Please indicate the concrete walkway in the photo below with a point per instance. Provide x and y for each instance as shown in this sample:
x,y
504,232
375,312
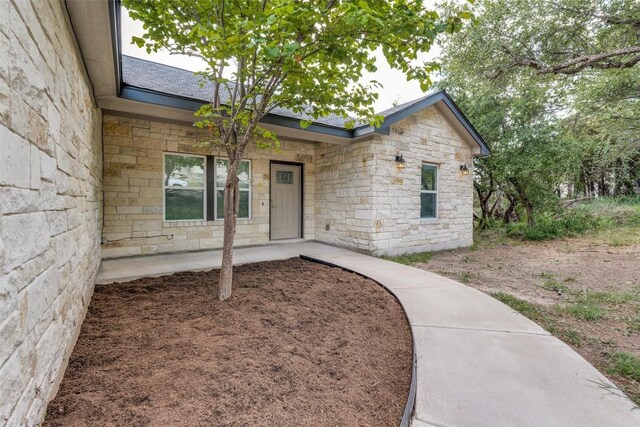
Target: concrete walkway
x,y
479,363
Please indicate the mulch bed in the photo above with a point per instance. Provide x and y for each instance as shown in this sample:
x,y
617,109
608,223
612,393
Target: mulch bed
x,y
298,343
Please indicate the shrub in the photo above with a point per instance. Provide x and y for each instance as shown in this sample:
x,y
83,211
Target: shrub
x,y
571,222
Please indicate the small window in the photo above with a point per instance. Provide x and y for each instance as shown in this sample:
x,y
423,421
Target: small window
x,y
184,192
284,177
429,192
244,177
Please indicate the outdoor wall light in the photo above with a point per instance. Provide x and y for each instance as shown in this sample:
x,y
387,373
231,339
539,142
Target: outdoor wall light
x,y
400,161
465,169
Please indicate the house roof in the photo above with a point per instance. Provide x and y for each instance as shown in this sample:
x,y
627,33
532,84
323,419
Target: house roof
x,y
161,84
176,81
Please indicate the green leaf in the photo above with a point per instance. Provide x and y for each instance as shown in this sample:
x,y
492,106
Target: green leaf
x,y
138,41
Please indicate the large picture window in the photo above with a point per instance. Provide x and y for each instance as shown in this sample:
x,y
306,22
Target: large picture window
x,y
429,191
244,177
184,187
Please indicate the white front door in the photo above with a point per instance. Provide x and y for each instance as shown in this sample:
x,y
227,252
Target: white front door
x,y
286,201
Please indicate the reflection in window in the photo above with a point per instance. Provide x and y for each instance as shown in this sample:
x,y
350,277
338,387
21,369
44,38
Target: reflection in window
x,y
429,192
184,178
244,177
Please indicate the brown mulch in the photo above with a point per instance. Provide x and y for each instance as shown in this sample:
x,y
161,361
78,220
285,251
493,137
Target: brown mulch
x,y
298,343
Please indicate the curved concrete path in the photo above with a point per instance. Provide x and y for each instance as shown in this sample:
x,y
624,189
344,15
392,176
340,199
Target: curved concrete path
x,y
479,363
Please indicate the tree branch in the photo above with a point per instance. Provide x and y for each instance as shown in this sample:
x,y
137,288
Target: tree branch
x,y
603,60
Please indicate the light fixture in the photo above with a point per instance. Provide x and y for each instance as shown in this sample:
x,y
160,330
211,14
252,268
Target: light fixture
x,y
400,161
465,169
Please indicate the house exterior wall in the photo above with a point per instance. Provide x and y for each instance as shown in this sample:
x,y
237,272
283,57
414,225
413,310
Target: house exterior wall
x,y
354,195
50,204
363,201
133,191
344,195
397,227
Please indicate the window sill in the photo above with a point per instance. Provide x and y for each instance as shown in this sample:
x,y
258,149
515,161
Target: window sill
x,y
201,223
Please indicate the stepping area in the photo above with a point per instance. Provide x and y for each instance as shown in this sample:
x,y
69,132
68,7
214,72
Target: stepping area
x,y
479,363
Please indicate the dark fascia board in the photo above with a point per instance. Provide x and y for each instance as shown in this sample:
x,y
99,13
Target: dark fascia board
x,y
484,148
116,42
426,102
290,122
159,98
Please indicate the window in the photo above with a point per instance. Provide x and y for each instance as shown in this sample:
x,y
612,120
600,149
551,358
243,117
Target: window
x,y
244,176
284,177
184,187
429,192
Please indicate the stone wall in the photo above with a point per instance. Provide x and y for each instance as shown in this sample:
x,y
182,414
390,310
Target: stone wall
x,y
50,203
344,209
397,226
354,195
366,203
134,225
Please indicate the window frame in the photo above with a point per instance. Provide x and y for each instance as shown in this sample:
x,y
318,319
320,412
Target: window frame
x,y
216,188
437,168
165,186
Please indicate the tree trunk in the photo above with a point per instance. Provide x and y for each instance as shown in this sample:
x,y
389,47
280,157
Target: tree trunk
x,y
526,202
508,213
231,202
529,208
484,206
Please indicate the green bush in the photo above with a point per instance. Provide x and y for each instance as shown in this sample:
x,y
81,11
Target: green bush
x,y
572,222
599,214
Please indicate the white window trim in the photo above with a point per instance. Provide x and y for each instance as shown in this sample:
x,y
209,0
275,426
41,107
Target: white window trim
x,y
427,218
164,187
216,188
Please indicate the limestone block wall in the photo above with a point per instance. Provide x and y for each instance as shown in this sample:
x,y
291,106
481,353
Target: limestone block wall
x,y
133,220
363,201
344,195
50,203
396,223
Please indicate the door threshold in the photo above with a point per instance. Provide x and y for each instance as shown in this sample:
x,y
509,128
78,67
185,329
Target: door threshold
x,y
286,241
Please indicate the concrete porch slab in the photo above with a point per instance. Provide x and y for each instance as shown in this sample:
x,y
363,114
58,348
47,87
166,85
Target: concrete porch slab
x,y
125,269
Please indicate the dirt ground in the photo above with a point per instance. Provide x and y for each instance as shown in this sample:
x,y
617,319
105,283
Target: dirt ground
x,y
298,343
522,268
555,275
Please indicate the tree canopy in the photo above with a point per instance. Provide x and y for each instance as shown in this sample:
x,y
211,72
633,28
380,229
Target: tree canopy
x,y
554,86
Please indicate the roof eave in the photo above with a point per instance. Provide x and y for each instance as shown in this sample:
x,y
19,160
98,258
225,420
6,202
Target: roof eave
x,y
160,98
150,96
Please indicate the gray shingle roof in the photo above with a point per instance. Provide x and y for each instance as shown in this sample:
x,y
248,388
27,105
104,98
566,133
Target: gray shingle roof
x,y
178,82
170,86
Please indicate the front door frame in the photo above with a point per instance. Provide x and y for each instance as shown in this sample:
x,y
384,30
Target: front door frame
x,y
283,162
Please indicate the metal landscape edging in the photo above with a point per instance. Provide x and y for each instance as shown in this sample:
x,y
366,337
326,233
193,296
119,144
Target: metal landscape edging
x,y
411,398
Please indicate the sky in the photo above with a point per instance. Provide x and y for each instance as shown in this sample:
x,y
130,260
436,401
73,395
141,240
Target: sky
x,y
396,88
